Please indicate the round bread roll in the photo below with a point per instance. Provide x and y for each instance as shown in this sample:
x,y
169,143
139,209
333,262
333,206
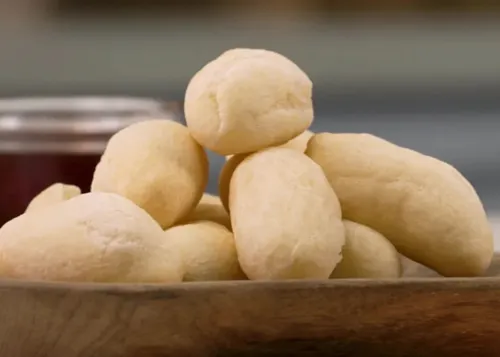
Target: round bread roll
x,y
425,207
157,165
94,237
211,209
246,100
208,251
55,193
285,216
367,254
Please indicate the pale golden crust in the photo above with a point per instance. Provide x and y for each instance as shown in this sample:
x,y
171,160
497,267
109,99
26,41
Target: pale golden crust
x,y
225,178
208,251
209,208
94,237
425,207
286,218
157,165
367,254
246,100
298,143
55,193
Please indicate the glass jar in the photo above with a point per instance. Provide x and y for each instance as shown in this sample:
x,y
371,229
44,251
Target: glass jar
x,y
48,140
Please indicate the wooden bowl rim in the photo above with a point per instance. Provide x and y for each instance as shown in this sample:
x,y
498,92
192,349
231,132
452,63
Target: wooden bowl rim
x,y
282,285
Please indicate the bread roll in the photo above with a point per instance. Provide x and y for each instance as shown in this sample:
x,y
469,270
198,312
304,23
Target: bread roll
x,y
225,178
211,209
207,249
55,193
413,269
247,100
298,143
286,218
367,254
94,237
157,165
425,207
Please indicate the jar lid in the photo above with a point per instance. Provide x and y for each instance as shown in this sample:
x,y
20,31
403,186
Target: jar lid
x,y
69,124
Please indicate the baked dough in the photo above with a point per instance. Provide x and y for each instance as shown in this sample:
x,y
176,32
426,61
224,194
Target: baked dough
x,y
247,100
211,209
367,254
55,193
424,206
157,165
94,237
285,216
208,251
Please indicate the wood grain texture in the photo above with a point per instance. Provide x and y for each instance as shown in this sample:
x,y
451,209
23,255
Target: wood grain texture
x,y
406,317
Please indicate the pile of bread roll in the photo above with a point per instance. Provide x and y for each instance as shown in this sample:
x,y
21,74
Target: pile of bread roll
x,y
292,204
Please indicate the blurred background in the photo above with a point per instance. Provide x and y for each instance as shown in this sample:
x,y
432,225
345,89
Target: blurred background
x,y
422,73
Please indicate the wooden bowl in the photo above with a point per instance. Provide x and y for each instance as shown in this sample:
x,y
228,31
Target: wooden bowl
x,y
421,317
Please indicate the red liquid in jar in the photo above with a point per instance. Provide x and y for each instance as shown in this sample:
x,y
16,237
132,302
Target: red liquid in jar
x,y
24,175
46,140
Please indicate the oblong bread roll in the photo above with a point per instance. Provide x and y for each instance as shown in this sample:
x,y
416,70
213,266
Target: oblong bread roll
x,y
286,218
94,237
425,207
